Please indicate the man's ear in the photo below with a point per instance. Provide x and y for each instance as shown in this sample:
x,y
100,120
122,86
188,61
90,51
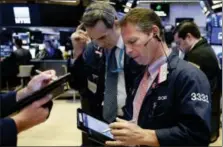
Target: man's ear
x,y
155,30
189,35
116,22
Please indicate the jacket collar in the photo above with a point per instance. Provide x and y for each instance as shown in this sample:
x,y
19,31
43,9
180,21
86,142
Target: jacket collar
x,y
200,42
172,61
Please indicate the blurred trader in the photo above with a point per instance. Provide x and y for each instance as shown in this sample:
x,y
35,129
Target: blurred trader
x,y
28,117
9,71
171,102
100,51
199,53
23,56
50,52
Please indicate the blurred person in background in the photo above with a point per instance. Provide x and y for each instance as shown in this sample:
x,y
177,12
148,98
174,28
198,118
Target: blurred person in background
x,y
50,52
9,71
30,116
23,56
199,53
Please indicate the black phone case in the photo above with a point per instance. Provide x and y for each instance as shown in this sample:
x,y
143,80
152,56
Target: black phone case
x,y
40,94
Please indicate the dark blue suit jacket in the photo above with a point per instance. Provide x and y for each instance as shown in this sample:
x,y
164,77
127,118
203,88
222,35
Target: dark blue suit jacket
x,y
7,125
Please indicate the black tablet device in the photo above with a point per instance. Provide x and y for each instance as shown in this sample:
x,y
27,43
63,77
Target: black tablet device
x,y
93,127
40,93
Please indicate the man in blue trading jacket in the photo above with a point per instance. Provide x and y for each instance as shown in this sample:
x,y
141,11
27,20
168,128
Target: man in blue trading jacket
x,y
171,103
28,117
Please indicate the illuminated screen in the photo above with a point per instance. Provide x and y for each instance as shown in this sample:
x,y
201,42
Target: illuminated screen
x,y
5,50
216,36
21,15
161,10
96,125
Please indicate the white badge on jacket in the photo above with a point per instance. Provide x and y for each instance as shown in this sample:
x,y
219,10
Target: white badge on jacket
x,y
163,73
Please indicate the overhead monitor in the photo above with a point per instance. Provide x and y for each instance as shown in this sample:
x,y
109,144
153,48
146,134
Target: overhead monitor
x,y
216,20
160,9
21,15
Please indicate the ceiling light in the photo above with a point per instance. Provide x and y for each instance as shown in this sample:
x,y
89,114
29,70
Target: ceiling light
x,y
216,6
216,1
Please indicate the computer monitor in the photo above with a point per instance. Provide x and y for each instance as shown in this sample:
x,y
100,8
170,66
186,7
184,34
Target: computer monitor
x,y
21,15
5,50
24,36
161,9
216,36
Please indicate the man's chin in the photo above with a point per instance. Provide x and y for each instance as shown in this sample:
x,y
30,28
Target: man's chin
x,y
137,60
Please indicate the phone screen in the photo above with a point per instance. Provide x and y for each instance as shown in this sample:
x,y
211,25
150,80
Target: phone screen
x,y
96,125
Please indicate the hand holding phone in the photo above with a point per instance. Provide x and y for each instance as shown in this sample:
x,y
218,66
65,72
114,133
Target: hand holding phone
x,y
79,40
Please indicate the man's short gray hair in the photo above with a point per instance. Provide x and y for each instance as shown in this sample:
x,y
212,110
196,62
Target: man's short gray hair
x,y
99,11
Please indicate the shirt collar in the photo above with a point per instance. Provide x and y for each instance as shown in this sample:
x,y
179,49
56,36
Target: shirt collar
x,y
154,67
120,43
195,44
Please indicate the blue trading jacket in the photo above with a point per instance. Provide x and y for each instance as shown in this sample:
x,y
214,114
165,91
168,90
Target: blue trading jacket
x,y
179,108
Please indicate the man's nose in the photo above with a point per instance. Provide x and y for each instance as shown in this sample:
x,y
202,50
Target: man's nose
x,y
128,50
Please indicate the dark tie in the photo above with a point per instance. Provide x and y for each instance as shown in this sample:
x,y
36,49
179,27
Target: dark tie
x,y
110,95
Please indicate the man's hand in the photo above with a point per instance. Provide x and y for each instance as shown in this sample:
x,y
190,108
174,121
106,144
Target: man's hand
x,y
125,133
36,83
32,115
79,40
129,134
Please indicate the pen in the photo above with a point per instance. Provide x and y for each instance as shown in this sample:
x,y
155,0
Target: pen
x,y
106,130
39,72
